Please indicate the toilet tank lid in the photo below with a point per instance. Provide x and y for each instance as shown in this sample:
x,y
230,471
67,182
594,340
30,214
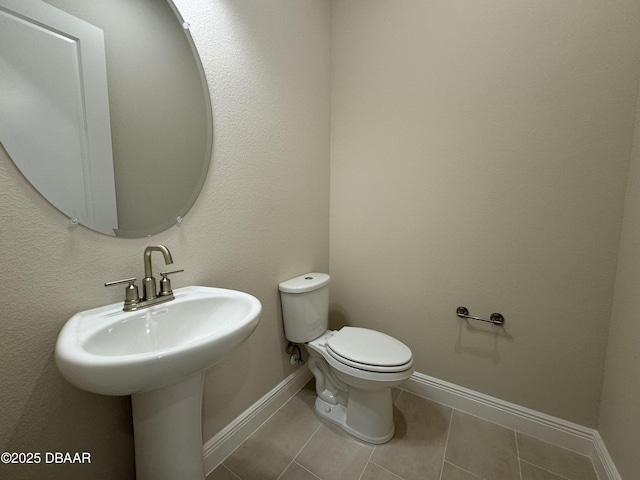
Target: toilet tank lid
x,y
305,283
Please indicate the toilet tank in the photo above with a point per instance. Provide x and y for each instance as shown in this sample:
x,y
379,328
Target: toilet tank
x,y
305,306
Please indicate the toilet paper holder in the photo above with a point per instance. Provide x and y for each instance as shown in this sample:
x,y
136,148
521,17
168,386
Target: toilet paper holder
x,y
495,318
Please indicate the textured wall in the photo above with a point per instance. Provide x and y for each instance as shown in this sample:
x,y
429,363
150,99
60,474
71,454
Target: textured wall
x,y
479,157
262,217
620,409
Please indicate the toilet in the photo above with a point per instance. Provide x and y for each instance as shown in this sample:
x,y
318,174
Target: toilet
x,y
355,368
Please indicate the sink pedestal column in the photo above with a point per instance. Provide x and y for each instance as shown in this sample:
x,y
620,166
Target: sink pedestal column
x,y
167,431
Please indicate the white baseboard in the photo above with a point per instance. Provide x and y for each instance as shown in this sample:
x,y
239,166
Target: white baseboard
x,y
602,461
586,441
583,440
218,447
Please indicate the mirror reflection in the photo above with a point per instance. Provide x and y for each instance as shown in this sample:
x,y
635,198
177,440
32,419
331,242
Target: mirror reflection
x,y
158,111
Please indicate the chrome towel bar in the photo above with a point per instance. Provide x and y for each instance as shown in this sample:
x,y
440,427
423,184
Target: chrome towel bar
x,y
495,318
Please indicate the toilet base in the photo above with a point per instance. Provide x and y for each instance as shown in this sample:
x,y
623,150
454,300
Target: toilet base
x,y
371,421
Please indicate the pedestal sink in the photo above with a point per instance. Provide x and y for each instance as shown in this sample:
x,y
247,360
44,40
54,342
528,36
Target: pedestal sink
x,y
158,355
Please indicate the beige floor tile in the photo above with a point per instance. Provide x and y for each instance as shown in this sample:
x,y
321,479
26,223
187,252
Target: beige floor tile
x,y
560,461
531,472
417,449
333,454
475,449
482,448
451,472
297,472
266,453
221,473
374,472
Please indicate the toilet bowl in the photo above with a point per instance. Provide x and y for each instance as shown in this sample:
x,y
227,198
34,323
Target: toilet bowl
x,y
354,368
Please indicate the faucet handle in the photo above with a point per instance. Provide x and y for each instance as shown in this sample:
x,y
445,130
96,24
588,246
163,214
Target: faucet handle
x,y
131,297
165,283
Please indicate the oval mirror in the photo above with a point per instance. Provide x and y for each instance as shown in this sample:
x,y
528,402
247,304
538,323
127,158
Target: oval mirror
x,y
105,110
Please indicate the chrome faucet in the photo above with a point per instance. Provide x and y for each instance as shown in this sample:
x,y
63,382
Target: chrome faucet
x,y
149,287
148,282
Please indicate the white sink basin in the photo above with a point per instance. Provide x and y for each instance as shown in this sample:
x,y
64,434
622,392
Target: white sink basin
x,y
111,352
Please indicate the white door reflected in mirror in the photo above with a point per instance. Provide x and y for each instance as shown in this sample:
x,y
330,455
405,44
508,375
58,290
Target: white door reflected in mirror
x,y
55,120
157,111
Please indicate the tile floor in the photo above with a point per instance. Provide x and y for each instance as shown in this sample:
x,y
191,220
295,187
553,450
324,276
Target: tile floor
x,y
432,442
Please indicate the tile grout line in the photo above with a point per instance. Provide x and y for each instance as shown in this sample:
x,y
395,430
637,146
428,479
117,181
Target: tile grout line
x,y
230,471
548,471
298,453
446,444
478,477
444,459
388,471
374,449
367,462
252,433
515,434
304,468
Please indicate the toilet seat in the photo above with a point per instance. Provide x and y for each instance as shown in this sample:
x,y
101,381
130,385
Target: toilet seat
x,y
369,350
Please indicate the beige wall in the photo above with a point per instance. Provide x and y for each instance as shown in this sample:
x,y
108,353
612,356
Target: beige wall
x,y
620,407
479,154
262,217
